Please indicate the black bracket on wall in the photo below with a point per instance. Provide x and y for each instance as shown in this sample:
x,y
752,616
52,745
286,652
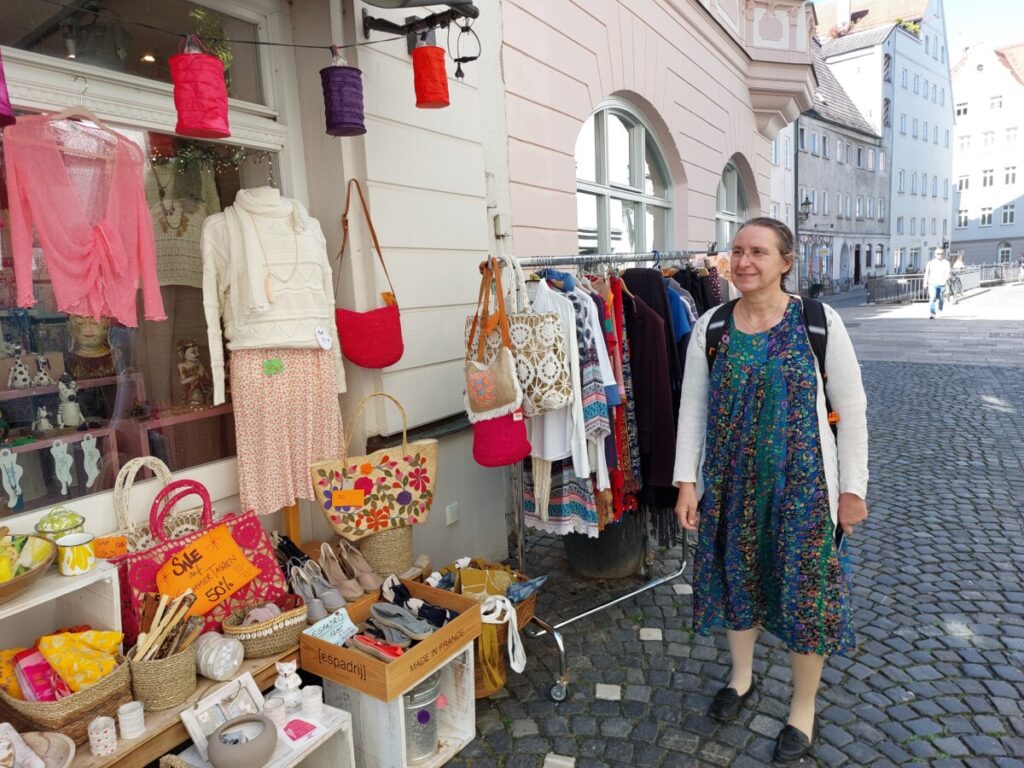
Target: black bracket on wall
x,y
415,28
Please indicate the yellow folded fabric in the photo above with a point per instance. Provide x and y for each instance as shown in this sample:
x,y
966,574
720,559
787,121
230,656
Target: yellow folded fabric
x,y
8,680
81,658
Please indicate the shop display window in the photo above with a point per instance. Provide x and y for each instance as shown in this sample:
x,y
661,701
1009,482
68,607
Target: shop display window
x,y
137,391
135,37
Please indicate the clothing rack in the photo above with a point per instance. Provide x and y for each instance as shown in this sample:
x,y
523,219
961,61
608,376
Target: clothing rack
x,y
559,689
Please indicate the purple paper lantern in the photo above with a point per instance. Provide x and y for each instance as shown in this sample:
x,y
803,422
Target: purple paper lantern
x,y
343,100
6,113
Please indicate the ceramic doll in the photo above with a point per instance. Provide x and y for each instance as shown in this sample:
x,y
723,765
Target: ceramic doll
x,y
287,683
69,414
195,381
63,462
91,356
18,377
42,377
91,459
42,422
10,474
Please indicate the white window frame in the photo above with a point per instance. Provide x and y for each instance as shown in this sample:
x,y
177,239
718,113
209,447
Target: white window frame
x,y
605,190
1004,253
1009,213
962,218
731,219
881,209
986,213
1010,175
899,225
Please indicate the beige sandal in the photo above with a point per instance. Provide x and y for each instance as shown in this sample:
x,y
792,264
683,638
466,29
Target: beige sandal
x,y
352,559
337,574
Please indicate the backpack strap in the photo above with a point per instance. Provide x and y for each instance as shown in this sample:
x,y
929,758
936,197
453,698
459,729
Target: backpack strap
x,y
817,333
716,330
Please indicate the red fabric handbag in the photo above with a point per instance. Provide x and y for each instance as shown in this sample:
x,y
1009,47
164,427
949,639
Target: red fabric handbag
x,y
200,93
369,339
501,441
137,570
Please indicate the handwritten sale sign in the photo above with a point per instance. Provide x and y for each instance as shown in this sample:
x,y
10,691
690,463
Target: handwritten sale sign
x,y
213,566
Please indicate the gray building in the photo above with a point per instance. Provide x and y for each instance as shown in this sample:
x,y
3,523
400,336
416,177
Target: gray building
x,y
988,160
838,188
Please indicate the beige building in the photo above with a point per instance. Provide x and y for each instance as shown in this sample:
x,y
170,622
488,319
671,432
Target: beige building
x,y
620,127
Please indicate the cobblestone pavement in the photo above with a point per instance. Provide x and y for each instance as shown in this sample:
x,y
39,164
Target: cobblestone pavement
x,y
937,676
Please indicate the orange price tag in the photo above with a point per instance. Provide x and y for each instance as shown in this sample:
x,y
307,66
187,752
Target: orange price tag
x,y
388,298
213,566
352,498
107,547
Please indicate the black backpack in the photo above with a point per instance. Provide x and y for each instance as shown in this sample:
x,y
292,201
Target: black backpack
x,y
817,334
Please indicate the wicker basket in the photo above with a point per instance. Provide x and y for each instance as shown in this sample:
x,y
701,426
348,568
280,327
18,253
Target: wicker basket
x,y
72,715
389,551
164,683
269,638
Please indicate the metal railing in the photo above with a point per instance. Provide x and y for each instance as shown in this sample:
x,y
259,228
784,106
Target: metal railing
x,y
901,289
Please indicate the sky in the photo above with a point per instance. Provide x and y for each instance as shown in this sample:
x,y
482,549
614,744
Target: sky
x,y
998,22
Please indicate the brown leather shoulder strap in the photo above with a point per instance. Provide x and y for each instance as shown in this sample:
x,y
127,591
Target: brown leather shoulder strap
x,y
369,224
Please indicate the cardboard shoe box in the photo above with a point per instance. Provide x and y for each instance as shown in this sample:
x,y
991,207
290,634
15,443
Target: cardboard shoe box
x,y
385,680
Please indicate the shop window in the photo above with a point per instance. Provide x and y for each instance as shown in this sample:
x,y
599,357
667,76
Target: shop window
x,y
731,209
144,390
127,36
623,199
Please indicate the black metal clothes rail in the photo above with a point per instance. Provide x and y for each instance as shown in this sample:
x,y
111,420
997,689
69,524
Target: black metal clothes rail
x,y
560,687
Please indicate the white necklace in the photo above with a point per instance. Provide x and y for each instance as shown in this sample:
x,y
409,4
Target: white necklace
x,y
270,274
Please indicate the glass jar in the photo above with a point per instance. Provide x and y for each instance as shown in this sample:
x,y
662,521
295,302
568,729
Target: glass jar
x,y
218,657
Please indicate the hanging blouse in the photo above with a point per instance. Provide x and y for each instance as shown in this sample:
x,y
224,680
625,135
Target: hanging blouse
x,y
80,187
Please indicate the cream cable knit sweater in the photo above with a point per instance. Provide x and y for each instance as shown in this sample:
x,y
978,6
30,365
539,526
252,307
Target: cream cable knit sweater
x,y
299,307
846,464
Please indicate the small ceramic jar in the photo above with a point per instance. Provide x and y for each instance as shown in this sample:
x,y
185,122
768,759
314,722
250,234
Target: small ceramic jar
x,y
60,521
102,736
218,657
131,720
313,701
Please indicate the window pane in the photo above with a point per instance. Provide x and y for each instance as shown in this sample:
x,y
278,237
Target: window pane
x,y
116,35
586,222
131,398
619,151
656,235
623,220
586,152
654,180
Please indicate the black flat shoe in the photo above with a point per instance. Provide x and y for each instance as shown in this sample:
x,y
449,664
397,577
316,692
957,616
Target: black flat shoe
x,y
792,746
727,704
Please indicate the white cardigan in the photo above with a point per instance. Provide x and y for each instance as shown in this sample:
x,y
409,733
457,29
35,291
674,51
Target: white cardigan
x,y
846,465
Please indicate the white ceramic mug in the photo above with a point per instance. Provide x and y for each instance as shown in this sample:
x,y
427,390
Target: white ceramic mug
x,y
102,736
75,554
275,710
312,701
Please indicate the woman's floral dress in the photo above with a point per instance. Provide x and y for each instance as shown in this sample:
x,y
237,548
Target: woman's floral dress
x,y
766,554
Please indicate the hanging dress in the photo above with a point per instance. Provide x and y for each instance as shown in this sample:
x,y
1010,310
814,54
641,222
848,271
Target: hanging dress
x,y
766,552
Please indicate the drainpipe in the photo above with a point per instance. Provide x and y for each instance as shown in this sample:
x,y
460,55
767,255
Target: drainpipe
x,y
796,204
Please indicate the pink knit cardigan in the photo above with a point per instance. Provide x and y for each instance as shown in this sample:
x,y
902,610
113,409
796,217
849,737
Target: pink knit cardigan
x,y
95,258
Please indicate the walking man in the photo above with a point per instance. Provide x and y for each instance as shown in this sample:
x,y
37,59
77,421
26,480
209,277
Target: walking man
x,y
936,273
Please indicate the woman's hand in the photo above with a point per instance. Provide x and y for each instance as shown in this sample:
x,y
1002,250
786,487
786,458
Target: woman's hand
x,y
853,510
686,506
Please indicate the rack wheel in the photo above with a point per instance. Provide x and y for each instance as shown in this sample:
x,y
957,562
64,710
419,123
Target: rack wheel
x,y
557,692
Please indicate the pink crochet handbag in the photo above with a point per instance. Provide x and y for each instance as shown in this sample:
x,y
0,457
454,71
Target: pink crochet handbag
x,y
137,570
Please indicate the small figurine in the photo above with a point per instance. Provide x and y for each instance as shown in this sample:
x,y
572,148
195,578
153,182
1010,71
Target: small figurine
x,y
69,413
90,460
19,377
287,683
42,377
195,381
42,422
62,463
11,474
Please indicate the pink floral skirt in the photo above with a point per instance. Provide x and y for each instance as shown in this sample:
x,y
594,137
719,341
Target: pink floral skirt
x,y
286,418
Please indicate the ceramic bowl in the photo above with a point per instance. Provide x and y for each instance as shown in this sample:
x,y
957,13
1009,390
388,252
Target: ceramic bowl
x,y
260,736
44,553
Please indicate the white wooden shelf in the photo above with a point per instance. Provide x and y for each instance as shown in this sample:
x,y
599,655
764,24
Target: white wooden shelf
x,y
53,586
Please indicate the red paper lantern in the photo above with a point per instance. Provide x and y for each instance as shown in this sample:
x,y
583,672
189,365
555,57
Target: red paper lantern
x,y
6,113
200,94
430,77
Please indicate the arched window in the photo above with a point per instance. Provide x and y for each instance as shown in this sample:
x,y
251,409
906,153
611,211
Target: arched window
x,y
887,68
1004,253
887,113
623,189
731,209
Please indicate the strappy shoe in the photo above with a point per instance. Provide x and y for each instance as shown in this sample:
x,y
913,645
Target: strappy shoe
x,y
300,585
309,583
352,560
349,588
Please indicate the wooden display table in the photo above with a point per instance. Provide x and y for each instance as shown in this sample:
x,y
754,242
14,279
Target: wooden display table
x,y
164,729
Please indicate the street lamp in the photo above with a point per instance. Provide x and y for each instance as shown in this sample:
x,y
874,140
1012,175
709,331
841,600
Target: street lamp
x,y
805,209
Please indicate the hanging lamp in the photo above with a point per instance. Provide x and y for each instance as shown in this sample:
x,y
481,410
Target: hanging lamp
x,y
200,92
343,97
430,77
6,112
